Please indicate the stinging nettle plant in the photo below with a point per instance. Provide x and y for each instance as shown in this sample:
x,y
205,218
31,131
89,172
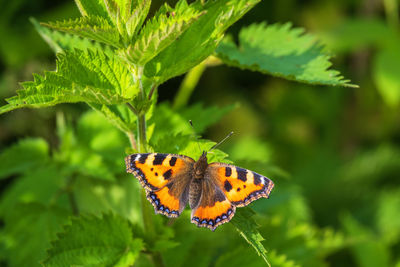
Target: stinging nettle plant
x,y
114,58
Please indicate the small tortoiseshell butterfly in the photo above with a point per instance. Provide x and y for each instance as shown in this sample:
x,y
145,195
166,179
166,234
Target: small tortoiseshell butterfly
x,y
213,190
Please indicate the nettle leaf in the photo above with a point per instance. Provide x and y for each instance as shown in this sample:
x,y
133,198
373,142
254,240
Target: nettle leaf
x,y
92,27
80,77
90,240
23,156
281,51
247,228
160,31
134,19
199,40
119,115
92,8
28,231
59,41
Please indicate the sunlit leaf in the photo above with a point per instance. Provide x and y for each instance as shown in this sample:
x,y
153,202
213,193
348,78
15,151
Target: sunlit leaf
x,y
80,77
90,240
282,51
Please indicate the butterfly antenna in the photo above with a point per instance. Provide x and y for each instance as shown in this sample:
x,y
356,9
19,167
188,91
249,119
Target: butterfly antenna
x,y
220,142
194,133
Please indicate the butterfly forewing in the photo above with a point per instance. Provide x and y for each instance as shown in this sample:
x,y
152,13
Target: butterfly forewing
x,y
165,177
240,186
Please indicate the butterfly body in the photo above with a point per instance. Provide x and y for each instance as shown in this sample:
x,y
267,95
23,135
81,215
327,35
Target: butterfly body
x,y
213,191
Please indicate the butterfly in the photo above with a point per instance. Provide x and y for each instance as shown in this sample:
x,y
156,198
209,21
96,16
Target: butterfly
x,y
213,190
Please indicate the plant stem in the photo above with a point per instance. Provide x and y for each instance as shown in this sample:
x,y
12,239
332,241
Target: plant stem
x,y
141,120
148,222
187,86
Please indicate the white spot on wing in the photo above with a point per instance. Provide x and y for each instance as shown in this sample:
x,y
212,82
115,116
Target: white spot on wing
x,y
137,157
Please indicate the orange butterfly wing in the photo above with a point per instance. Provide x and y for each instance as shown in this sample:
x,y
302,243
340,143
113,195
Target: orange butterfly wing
x,y
240,186
165,177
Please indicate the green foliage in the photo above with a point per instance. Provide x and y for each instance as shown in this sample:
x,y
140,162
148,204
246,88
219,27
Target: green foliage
x,y
247,228
90,77
23,156
72,197
199,41
282,51
95,241
161,31
95,28
59,41
28,231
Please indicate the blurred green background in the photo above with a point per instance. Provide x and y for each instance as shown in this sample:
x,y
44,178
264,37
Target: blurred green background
x,y
333,153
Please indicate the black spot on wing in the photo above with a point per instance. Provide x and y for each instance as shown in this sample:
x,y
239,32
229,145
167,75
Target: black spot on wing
x,y
227,186
172,161
241,174
228,171
143,158
159,158
219,196
167,174
257,178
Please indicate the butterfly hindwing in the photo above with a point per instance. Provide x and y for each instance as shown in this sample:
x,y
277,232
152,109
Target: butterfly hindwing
x,y
165,178
213,208
240,186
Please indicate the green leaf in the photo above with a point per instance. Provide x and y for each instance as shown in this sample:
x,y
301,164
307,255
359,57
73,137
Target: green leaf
x,y
92,8
95,150
23,156
28,231
59,42
38,185
90,240
134,19
119,115
386,74
199,40
80,77
128,16
92,27
247,228
281,51
159,32
121,197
